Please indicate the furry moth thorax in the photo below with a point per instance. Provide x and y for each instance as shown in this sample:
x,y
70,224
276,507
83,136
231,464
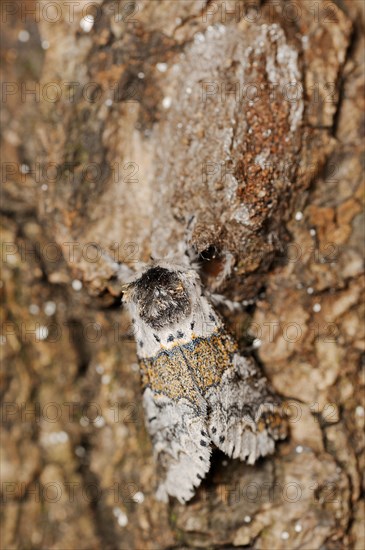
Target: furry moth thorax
x,y
162,296
198,391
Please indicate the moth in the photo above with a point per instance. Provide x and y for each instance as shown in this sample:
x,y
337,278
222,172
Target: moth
x,y
198,391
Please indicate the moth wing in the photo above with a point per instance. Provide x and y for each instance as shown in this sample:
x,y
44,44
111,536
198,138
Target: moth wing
x,y
245,419
181,444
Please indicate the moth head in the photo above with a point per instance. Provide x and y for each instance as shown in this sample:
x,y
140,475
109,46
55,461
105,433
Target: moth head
x,y
161,296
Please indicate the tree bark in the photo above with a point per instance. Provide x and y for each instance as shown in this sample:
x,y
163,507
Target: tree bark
x,y
230,128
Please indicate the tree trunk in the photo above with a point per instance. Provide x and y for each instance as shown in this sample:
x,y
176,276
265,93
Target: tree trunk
x,y
230,128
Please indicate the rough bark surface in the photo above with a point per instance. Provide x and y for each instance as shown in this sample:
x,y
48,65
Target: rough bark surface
x,y
234,129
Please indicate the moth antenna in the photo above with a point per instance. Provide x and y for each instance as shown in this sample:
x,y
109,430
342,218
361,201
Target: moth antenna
x,y
121,271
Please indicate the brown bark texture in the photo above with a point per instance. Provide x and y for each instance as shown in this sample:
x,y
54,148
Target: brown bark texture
x,y
234,129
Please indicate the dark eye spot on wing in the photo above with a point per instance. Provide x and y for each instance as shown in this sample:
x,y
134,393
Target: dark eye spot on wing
x,y
214,430
170,338
221,439
211,317
140,343
203,443
180,334
192,325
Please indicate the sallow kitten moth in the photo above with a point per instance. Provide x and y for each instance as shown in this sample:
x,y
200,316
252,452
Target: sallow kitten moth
x,y
198,391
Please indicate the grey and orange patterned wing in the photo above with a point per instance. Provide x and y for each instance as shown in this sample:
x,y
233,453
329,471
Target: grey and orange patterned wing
x,y
176,420
245,418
